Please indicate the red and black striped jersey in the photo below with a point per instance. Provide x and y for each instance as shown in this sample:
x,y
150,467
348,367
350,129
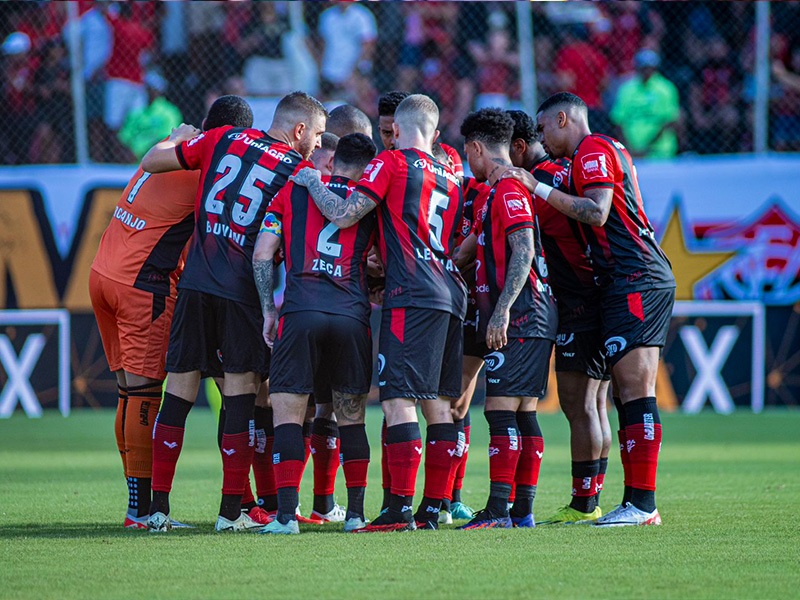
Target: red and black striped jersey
x,y
569,269
475,194
326,267
509,208
419,211
240,172
624,253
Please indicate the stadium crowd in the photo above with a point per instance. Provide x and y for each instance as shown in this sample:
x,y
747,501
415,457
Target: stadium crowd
x,y
679,76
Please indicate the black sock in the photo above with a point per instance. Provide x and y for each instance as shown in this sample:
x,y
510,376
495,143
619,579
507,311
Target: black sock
x,y
523,501
499,493
428,509
174,410
268,503
263,420
602,472
159,503
387,498
456,495
220,427
402,506
446,505
354,446
288,500
139,496
585,470
323,504
288,446
230,506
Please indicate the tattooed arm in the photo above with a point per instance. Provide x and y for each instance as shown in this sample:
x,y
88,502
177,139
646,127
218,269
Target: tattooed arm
x,y
592,210
342,212
267,246
518,271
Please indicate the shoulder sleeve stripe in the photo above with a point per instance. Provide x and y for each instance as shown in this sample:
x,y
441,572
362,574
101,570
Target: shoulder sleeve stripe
x,y
181,159
518,226
368,193
599,184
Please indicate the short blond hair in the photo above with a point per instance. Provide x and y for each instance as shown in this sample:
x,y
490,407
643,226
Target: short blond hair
x,y
418,111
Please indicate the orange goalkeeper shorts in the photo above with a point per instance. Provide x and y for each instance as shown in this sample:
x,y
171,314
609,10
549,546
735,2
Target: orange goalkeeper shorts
x,y
134,325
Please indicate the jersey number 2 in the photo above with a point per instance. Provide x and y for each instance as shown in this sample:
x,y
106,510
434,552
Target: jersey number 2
x,y
243,213
325,245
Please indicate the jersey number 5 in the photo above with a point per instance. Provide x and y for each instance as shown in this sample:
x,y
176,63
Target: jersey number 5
x,y
436,208
243,213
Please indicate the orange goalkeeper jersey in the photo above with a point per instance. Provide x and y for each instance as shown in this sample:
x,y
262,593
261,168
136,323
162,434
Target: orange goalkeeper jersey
x,y
144,245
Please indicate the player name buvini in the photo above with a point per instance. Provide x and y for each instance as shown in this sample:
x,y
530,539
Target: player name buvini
x,y
225,231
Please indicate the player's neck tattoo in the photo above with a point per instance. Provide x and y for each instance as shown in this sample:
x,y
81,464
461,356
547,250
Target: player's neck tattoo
x,y
501,164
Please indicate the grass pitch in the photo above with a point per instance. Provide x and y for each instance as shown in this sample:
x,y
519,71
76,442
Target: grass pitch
x,y
729,494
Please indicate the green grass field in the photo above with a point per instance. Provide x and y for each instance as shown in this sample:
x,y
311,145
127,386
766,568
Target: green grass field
x,y
729,494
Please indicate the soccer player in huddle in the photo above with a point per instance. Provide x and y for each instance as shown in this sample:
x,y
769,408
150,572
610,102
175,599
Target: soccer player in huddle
x,y
517,317
581,372
418,202
133,288
635,278
322,337
322,157
217,311
346,119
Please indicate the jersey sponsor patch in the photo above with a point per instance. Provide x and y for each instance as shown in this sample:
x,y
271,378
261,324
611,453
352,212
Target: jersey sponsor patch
x,y
372,170
516,205
594,165
272,224
193,141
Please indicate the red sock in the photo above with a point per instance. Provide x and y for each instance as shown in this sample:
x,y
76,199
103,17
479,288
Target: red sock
x,y
530,461
325,447
643,442
504,446
440,461
288,463
404,449
167,445
386,475
263,471
237,456
354,455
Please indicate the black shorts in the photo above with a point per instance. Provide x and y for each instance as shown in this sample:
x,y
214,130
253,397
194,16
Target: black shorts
x,y
520,369
582,351
208,329
420,354
634,320
314,350
474,342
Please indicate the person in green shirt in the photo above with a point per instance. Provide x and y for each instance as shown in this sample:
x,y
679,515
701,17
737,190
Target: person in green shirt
x,y
146,127
647,110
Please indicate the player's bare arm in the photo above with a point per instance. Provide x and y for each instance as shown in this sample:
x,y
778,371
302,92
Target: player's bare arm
x,y
267,245
161,157
592,210
342,212
519,268
464,255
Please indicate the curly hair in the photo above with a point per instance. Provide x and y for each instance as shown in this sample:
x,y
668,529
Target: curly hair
x,y
491,126
524,127
389,102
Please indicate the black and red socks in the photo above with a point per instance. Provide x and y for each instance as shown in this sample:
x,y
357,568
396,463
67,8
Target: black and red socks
x,y
439,470
288,458
167,445
643,432
355,464
584,485
601,476
404,450
504,453
238,443
622,436
263,473
325,452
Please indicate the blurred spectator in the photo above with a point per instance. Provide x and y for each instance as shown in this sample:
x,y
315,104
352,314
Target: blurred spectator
x,y
125,91
19,102
786,108
498,65
583,70
647,110
144,128
266,70
425,24
53,106
714,102
96,42
348,32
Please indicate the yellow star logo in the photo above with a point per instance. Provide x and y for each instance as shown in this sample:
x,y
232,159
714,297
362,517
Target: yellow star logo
x,y
690,266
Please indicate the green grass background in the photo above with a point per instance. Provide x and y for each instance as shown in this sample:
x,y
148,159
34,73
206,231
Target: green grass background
x,y
729,494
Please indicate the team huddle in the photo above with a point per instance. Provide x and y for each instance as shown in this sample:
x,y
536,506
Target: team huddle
x,y
545,245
